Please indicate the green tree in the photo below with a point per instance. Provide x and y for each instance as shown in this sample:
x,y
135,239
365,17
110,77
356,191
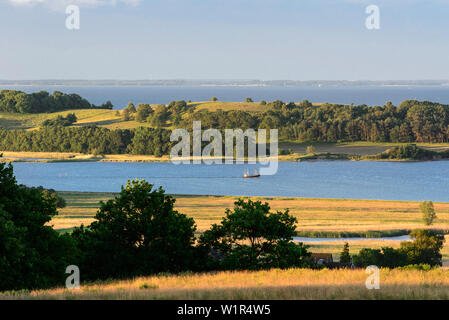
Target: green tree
x,y
131,108
32,254
367,257
249,100
159,116
137,233
213,99
345,257
252,237
428,212
143,112
126,116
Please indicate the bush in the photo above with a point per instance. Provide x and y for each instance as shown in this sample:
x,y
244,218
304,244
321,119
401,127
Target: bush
x,y
368,257
422,267
424,249
60,121
284,152
409,151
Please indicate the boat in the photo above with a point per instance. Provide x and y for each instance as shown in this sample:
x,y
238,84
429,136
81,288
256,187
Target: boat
x,y
255,175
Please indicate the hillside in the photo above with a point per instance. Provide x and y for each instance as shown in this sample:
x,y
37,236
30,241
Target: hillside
x,y
109,118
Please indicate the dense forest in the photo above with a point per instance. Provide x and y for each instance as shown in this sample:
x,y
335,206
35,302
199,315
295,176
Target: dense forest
x,y
38,102
411,121
88,140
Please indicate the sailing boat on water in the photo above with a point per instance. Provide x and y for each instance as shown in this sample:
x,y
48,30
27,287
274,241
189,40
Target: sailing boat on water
x,y
255,175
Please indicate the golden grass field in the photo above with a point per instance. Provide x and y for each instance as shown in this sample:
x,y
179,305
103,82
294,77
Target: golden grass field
x,y
312,215
275,284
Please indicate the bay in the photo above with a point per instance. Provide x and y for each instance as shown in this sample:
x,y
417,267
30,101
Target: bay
x,y
408,181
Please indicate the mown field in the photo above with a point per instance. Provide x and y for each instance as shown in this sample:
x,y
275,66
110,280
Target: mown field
x,y
271,285
356,216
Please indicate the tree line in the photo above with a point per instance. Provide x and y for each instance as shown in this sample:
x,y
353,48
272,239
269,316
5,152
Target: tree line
x,y
424,249
411,121
87,140
15,101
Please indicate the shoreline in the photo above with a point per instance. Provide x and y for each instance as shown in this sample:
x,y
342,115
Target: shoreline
x,y
54,157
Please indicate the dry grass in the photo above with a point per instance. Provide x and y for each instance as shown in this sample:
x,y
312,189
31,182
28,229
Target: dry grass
x,y
272,284
228,106
312,214
323,214
30,121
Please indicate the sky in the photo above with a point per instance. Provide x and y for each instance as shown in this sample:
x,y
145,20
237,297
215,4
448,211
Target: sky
x,y
224,39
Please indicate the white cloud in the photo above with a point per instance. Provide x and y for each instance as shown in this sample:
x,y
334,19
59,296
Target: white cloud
x,y
61,4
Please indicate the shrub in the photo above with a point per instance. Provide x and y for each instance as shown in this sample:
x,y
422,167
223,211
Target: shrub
x,y
424,249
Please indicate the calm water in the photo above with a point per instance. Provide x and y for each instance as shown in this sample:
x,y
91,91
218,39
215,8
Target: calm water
x,y
415,181
370,95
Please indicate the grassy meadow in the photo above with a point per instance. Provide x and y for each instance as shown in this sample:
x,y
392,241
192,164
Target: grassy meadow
x,y
109,118
275,284
312,214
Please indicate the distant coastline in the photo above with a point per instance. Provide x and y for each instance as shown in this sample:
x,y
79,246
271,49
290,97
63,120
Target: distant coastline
x,y
229,83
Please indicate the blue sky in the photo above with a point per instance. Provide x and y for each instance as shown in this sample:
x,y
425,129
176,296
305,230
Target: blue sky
x,y
225,39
